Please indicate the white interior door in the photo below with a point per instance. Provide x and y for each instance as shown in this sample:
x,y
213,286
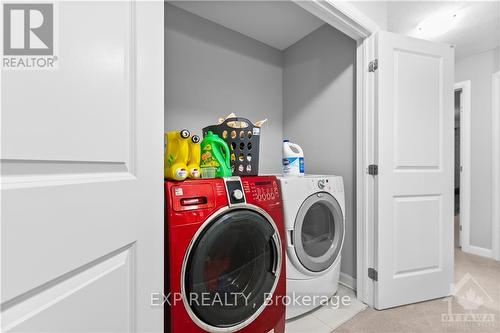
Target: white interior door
x,y
82,193
415,133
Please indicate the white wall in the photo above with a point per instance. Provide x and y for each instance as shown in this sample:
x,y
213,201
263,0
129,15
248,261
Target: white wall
x,y
478,68
319,114
375,10
211,71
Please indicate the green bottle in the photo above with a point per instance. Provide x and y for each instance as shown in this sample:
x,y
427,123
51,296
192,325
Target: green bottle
x,y
215,153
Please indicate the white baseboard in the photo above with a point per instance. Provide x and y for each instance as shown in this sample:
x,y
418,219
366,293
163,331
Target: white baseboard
x,y
348,281
478,251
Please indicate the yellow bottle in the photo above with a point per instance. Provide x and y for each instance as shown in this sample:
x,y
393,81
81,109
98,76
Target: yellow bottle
x,y
193,165
176,154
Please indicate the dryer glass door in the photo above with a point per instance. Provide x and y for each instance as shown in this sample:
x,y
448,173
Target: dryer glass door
x,y
319,232
231,267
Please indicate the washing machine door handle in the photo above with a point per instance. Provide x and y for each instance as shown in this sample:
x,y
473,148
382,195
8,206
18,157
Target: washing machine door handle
x,y
276,252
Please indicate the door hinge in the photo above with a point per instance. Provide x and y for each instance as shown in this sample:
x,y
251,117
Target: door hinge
x,y
373,274
373,169
373,65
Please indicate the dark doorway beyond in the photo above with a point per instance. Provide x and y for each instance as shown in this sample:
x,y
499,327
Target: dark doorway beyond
x,y
458,94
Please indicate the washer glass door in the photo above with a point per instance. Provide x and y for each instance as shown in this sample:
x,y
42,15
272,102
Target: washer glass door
x,y
231,268
318,232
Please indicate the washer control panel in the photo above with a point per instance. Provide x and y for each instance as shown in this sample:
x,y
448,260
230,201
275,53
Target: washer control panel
x,y
265,190
237,194
234,189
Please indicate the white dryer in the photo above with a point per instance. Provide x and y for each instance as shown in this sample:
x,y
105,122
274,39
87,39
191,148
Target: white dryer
x,y
314,214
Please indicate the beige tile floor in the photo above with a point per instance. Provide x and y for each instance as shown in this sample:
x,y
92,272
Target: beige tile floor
x,y
325,319
426,316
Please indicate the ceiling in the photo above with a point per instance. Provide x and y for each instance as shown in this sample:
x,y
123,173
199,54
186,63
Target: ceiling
x,y
477,31
282,23
278,23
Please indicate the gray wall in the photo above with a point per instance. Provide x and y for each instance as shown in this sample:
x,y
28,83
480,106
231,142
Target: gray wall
x,y
319,114
306,91
479,68
211,71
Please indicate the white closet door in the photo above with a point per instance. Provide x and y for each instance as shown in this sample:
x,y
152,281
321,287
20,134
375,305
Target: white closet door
x,y
81,159
415,131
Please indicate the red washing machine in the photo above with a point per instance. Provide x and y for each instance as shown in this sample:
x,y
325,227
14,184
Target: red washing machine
x,y
225,256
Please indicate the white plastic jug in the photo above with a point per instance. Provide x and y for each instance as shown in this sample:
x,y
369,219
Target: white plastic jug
x,y
293,159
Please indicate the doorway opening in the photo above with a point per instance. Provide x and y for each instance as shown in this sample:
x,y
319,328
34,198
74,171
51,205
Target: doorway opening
x,y
220,57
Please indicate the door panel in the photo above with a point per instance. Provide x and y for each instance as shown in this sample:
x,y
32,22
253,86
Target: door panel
x,y
415,126
82,196
417,120
85,102
103,287
418,219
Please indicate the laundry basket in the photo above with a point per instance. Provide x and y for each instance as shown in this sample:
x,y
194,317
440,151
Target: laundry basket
x,y
242,137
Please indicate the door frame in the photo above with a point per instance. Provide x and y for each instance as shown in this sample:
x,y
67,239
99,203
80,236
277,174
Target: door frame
x,y
348,19
342,16
495,193
465,161
366,154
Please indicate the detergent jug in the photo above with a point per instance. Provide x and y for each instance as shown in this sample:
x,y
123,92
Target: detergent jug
x,y
193,165
215,153
293,159
176,154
